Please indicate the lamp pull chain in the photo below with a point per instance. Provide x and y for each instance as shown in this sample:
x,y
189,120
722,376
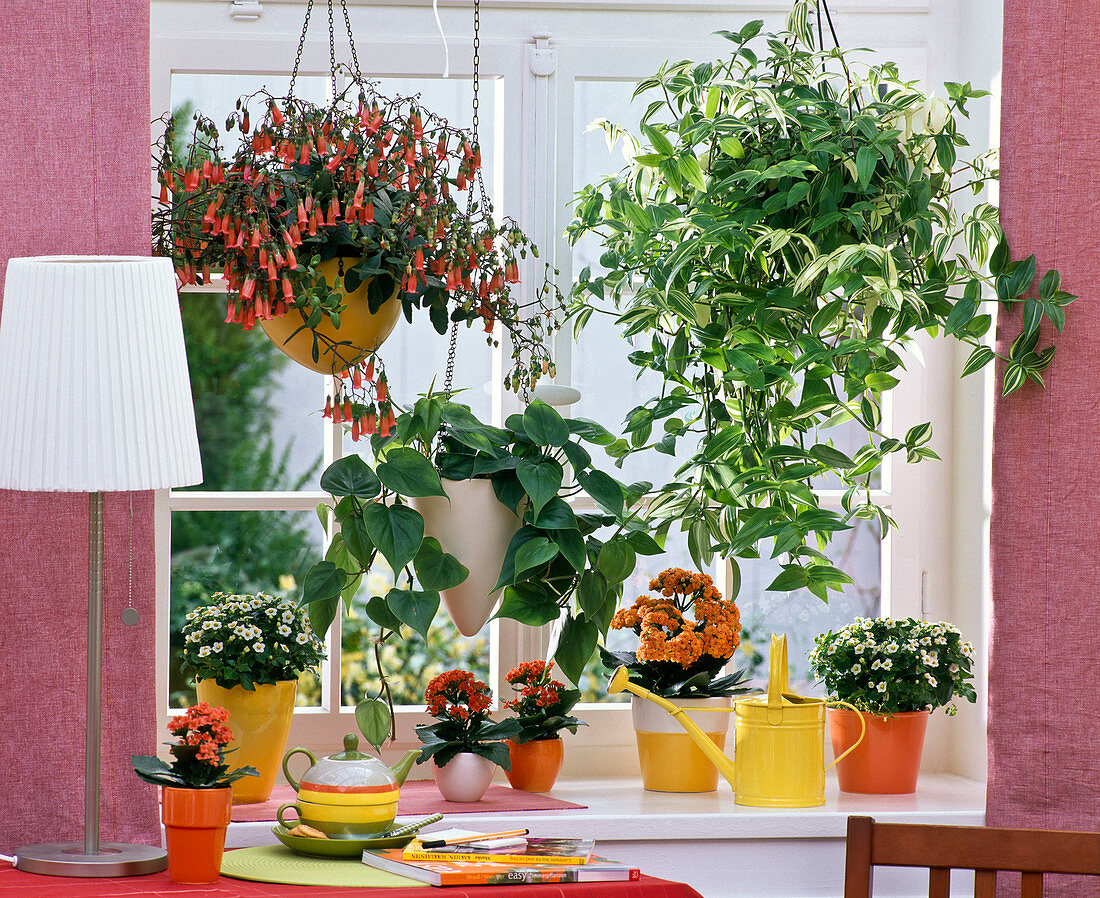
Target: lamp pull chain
x,y
130,614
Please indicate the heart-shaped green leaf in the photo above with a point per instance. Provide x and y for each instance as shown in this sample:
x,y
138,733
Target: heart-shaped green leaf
x,y
409,473
575,646
350,476
435,569
617,559
379,612
534,553
357,540
544,425
571,545
556,515
396,530
529,603
373,717
414,607
541,479
604,489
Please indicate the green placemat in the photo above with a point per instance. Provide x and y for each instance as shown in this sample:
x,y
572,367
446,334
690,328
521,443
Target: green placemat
x,y
274,863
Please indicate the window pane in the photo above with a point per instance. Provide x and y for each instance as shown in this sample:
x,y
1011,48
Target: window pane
x,y
802,615
592,161
610,389
236,552
215,95
255,410
409,663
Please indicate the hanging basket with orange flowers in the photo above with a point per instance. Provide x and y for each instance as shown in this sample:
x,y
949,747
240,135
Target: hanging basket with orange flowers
x,y
678,657
366,194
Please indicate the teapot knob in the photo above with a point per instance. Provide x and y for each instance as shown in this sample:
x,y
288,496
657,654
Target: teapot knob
x,y
351,743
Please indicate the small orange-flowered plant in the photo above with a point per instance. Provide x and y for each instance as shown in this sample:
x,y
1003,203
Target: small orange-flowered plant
x,y
202,735
543,704
678,654
460,703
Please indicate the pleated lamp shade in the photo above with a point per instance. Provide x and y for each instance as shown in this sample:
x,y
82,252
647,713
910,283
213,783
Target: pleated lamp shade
x,y
94,391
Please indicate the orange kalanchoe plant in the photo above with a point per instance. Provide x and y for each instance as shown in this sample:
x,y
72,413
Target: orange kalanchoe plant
x,y
461,705
678,656
202,735
542,704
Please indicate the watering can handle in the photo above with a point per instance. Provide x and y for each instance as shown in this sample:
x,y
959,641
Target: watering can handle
x,y
777,670
862,731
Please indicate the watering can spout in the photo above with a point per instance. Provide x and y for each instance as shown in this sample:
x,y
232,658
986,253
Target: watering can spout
x,y
619,681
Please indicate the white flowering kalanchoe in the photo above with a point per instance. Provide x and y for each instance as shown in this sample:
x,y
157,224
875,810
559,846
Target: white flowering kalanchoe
x,y
249,640
915,665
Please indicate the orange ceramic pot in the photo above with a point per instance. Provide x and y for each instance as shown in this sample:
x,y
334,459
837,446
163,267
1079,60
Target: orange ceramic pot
x,y
195,821
535,765
887,761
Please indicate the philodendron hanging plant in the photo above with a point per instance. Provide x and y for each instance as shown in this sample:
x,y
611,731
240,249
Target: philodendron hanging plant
x,y
562,565
380,184
788,223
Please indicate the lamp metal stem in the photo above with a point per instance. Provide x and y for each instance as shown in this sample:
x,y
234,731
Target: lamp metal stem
x,y
94,726
92,858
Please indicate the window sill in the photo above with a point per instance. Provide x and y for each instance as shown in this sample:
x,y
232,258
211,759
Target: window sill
x,y
701,838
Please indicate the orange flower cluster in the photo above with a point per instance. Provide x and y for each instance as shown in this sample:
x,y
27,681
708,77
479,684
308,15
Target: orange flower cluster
x,y
203,726
456,695
664,631
535,686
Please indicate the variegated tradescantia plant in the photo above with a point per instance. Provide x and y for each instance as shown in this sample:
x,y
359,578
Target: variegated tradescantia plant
x,y
789,222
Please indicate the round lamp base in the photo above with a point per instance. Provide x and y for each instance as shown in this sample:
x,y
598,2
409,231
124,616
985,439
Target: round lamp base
x,y
69,859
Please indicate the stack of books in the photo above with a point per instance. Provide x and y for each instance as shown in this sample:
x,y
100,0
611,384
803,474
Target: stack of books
x,y
487,863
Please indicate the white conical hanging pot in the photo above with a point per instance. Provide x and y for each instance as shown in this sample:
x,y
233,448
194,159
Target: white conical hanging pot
x,y
476,528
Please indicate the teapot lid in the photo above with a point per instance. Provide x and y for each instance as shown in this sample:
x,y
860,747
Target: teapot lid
x,y
351,750
349,771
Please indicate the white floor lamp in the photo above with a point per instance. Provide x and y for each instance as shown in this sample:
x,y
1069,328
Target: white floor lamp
x,y
98,341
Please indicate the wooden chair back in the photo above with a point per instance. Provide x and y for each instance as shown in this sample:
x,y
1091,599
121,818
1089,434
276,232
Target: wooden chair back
x,y
985,850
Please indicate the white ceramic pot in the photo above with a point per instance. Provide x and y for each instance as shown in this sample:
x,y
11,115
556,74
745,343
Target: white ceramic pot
x,y
465,777
476,528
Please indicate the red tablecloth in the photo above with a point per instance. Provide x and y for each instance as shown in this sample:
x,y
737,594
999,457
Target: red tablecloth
x,y
17,884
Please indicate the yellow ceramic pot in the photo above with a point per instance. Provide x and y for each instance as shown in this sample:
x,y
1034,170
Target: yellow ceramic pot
x,y
362,330
669,757
260,720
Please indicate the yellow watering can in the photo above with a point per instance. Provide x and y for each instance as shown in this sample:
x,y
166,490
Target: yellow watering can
x,y
780,748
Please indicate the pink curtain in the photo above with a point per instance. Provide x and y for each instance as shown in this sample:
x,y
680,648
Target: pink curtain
x,y
74,178
1044,700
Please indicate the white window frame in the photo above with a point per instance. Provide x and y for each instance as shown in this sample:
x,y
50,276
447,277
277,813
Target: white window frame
x,y
936,505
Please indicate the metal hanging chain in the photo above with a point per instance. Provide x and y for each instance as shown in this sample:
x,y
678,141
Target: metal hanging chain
x,y
331,50
301,46
351,43
331,46
453,345
449,376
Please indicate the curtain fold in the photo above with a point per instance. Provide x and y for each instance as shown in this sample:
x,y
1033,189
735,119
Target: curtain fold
x,y
1044,704
74,178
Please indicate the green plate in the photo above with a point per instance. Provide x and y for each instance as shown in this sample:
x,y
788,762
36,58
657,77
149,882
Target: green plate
x,y
399,837
336,847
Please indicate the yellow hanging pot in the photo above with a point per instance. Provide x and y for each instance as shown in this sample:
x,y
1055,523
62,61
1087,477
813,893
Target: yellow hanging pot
x,y
779,759
361,331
